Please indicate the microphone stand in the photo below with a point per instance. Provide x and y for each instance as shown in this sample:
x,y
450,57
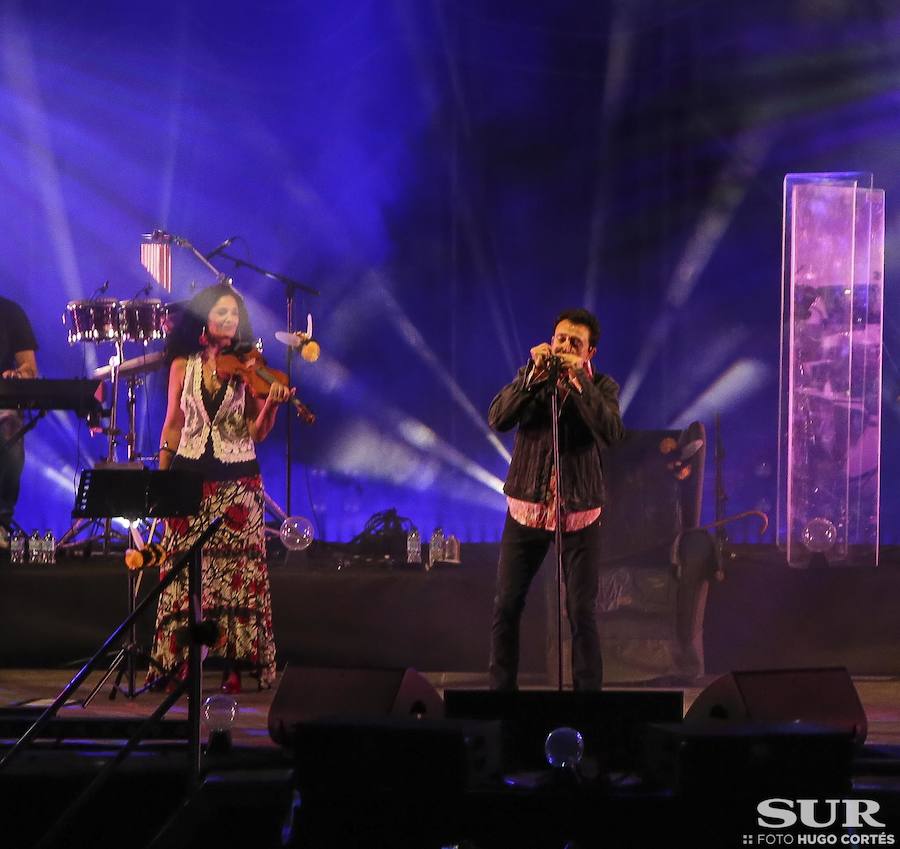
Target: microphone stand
x,y
553,377
721,494
289,441
290,288
182,242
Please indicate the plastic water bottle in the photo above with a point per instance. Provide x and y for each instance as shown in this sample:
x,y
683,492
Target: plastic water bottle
x,y
49,552
413,547
451,550
17,546
35,547
436,548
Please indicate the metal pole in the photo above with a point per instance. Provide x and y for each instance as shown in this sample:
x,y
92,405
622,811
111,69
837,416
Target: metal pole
x,y
558,538
195,665
290,429
112,455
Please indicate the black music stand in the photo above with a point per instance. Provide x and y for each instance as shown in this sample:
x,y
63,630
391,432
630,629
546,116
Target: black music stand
x,y
134,494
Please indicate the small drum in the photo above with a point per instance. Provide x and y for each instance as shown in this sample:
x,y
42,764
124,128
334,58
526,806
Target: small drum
x,y
93,321
142,321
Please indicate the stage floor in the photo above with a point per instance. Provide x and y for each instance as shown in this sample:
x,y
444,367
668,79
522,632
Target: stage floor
x,y
247,792
880,697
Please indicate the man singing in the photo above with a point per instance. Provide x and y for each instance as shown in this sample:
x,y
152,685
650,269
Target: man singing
x,y
588,420
17,360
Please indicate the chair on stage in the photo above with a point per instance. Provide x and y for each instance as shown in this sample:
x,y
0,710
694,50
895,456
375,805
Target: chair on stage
x,y
657,562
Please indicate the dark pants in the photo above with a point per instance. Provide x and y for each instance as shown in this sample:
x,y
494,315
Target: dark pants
x,y
522,550
12,461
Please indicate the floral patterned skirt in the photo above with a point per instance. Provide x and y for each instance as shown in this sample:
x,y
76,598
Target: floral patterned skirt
x,y
235,583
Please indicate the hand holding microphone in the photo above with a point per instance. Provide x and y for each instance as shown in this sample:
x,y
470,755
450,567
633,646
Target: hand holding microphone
x,y
568,362
540,354
546,360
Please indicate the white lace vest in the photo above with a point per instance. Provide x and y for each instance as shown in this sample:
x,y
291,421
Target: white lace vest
x,y
230,435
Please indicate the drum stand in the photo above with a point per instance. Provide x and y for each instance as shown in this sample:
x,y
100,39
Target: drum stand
x,y
109,534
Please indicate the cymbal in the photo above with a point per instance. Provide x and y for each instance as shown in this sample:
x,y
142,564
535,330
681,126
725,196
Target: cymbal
x,y
134,366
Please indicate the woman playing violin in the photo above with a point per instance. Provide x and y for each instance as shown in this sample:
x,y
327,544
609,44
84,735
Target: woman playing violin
x,y
212,424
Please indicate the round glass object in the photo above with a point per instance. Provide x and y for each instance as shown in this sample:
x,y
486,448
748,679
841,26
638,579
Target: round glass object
x,y
819,534
219,712
297,533
564,748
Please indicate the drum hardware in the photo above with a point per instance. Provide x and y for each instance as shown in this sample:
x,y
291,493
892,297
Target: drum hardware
x,y
97,320
137,366
140,320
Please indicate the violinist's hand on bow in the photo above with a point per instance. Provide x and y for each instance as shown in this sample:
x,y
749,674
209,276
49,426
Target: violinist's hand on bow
x,y
279,393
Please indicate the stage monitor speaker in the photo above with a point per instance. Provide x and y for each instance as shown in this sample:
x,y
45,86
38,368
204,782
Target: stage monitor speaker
x,y
611,722
824,697
231,807
390,781
757,759
313,692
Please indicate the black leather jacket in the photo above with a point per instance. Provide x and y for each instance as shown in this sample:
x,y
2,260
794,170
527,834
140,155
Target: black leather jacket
x,y
588,422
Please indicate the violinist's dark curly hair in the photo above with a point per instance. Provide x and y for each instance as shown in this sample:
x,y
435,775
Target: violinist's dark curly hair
x,y
184,338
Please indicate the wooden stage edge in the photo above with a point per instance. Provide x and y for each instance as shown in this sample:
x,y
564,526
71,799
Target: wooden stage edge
x,y
879,695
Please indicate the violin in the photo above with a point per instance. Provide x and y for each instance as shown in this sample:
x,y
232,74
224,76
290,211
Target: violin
x,y
251,366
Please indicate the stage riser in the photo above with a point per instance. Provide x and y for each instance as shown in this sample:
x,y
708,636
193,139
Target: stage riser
x,y
763,615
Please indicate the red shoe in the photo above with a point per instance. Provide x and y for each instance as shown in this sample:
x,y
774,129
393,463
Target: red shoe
x,y
231,684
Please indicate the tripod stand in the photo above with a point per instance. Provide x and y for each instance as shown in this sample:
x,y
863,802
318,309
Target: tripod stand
x,y
135,493
131,651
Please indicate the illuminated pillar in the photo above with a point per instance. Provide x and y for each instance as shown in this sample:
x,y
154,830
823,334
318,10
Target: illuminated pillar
x,y
831,347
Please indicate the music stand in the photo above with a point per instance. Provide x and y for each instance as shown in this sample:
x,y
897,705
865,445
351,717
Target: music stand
x,y
134,494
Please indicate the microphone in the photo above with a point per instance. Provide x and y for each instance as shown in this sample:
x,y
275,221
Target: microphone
x,y
150,555
553,364
219,248
552,361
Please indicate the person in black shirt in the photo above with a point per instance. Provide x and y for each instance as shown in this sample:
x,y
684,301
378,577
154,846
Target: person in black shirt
x,y
17,360
589,420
